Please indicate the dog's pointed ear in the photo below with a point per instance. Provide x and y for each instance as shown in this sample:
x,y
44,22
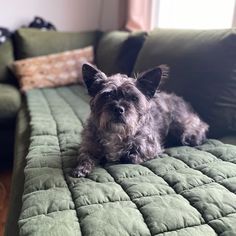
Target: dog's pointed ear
x,y
93,78
148,81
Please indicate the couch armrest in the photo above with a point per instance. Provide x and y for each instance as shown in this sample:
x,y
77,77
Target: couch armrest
x,y
10,101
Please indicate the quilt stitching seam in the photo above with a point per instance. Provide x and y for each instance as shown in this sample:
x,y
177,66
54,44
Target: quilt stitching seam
x,y
61,156
213,181
67,102
181,228
131,201
184,198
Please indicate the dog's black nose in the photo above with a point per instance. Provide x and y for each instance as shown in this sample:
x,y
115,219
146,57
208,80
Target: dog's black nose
x,y
119,110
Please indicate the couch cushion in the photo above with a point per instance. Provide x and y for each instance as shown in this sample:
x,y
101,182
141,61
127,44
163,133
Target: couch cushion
x,y
231,139
10,101
185,191
33,42
202,70
6,58
117,51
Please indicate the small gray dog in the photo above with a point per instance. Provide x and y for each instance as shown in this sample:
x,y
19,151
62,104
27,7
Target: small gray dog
x,y
130,119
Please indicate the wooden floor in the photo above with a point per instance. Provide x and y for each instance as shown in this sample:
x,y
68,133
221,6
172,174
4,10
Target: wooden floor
x,y
5,184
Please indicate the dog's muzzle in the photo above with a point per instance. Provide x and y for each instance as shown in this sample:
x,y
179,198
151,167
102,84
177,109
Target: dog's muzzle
x,y
118,114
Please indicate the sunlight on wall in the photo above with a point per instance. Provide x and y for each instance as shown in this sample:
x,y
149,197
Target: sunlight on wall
x,y
195,14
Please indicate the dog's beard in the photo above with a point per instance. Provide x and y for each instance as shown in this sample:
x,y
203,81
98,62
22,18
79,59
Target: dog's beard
x,y
122,125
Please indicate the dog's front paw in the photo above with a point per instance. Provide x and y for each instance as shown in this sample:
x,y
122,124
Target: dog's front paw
x,y
131,155
131,159
193,139
82,170
78,172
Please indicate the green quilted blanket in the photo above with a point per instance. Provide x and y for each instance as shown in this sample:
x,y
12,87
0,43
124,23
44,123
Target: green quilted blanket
x,y
185,191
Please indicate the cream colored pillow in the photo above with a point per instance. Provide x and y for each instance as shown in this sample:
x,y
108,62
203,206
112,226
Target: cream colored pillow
x,y
52,70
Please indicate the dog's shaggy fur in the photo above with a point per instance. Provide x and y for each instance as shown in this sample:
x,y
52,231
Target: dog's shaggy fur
x,y
130,120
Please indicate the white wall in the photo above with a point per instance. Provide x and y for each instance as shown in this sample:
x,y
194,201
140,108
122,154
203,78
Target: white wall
x,y
67,15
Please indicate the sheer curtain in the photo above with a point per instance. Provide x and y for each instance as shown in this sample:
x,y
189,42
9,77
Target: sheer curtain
x,y
138,15
185,14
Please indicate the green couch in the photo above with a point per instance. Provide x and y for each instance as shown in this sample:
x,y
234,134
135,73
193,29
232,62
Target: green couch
x,y
183,191
9,105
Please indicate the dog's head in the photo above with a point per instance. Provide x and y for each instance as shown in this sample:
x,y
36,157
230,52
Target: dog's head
x,y
118,102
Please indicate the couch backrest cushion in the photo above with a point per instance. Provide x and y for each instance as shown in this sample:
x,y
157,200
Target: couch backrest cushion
x,y
202,70
34,42
117,51
6,58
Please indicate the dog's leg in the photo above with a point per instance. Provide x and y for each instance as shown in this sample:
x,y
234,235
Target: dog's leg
x,y
186,125
89,154
85,165
141,148
194,131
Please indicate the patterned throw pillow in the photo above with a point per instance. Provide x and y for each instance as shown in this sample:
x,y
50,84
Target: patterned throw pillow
x,y
52,70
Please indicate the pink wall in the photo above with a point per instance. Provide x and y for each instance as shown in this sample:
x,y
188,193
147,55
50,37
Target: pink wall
x,y
67,15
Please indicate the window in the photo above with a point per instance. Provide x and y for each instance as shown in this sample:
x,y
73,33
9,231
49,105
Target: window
x,y
193,14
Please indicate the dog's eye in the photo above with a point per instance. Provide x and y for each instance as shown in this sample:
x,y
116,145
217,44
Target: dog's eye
x,y
108,95
134,98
